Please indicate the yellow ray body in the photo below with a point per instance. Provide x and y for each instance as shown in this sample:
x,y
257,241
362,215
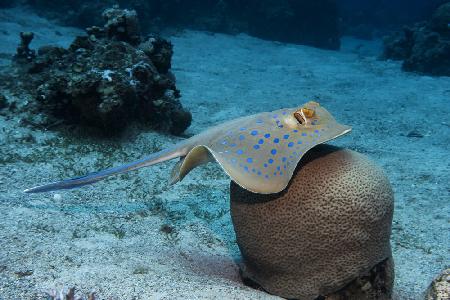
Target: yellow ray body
x,y
259,152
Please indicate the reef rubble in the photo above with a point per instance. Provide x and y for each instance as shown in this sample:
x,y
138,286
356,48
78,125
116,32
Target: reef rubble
x,y
108,78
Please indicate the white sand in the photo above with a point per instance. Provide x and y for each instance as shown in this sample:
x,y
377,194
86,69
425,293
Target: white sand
x,y
107,238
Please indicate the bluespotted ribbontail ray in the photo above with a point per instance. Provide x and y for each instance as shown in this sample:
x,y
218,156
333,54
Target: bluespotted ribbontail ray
x,y
259,152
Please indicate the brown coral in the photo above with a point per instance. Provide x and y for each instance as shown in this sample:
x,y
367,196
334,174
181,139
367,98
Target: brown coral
x,y
331,225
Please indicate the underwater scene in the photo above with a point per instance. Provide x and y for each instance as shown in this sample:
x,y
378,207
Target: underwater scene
x,y
225,149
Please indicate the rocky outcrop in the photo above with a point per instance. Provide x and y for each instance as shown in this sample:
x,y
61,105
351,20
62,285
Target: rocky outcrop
x,y
424,47
108,78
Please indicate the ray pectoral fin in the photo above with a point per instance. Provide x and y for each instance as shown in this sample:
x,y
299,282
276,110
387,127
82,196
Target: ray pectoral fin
x,y
249,178
175,174
97,176
199,155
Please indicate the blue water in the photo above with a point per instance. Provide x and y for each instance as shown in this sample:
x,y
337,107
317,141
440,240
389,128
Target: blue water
x,y
134,236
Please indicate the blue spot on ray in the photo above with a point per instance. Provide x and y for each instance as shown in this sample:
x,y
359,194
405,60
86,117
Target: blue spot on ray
x,y
276,140
286,136
256,147
267,135
273,151
241,137
270,161
254,132
261,141
240,151
290,144
249,160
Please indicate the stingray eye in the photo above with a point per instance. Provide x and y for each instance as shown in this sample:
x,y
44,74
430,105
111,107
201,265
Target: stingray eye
x,y
304,114
299,117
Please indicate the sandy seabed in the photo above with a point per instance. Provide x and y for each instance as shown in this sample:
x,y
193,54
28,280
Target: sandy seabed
x,y
135,237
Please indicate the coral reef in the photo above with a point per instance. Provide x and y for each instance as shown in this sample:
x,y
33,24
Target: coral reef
x,y
306,22
24,53
439,289
107,79
440,21
330,226
318,23
424,47
374,18
122,25
302,21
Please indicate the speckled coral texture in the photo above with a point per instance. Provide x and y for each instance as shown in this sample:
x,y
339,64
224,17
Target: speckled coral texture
x,y
329,226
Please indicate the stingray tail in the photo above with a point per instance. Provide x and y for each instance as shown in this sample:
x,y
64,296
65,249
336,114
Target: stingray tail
x,y
97,176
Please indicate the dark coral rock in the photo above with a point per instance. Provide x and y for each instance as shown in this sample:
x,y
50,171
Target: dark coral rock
x,y
424,48
122,25
104,81
3,102
440,21
430,54
374,18
313,23
160,52
398,46
24,53
300,21
47,55
376,284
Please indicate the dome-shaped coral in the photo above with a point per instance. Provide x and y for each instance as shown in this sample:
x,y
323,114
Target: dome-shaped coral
x,y
329,226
